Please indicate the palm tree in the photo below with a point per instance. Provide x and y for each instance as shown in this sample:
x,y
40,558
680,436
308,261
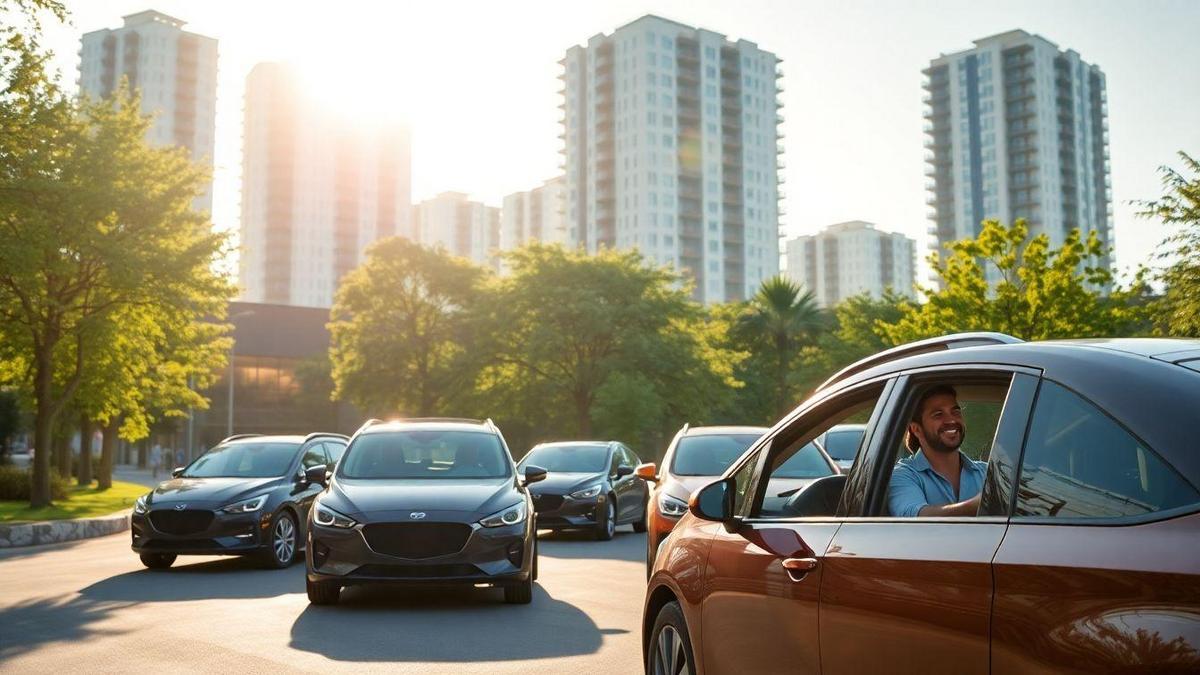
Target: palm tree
x,y
779,320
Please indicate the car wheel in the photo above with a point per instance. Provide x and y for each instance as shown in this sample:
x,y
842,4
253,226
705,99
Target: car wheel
x,y
607,525
281,548
157,561
519,594
670,647
639,525
322,592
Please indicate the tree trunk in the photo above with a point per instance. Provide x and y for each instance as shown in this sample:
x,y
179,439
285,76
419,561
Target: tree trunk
x,y
62,451
141,451
108,448
43,422
85,451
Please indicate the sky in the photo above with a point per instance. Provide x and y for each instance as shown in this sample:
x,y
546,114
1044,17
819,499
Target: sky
x,y
478,84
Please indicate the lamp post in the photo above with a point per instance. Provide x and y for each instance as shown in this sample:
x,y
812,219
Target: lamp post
x,y
232,370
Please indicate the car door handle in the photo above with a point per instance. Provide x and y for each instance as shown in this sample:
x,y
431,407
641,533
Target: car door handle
x,y
798,568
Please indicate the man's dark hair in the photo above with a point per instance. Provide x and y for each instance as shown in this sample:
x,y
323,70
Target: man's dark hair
x,y
910,440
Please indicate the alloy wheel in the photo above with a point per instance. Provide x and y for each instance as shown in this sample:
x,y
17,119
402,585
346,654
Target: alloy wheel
x,y
611,523
670,658
284,540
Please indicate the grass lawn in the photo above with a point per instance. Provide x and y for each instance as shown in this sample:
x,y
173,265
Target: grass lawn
x,y
83,503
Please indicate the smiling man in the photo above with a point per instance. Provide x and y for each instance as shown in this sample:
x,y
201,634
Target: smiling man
x,y
937,480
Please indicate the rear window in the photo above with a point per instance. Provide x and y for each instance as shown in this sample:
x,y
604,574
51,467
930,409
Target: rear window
x,y
243,460
843,445
806,463
425,454
709,455
569,458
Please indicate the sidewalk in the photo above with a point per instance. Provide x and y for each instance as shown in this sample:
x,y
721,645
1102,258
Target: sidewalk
x,y
130,473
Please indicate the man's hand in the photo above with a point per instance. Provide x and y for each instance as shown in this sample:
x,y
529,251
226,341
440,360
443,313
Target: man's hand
x,y
968,508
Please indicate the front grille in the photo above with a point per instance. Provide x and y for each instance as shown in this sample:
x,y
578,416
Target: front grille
x,y
547,502
416,540
418,571
190,521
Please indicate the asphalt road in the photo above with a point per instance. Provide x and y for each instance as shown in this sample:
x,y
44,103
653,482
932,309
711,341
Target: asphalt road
x,y
90,605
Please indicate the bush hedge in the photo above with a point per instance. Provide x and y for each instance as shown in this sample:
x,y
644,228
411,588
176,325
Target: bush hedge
x,y
17,484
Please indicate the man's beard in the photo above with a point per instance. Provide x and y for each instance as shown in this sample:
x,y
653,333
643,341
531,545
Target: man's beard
x,y
936,444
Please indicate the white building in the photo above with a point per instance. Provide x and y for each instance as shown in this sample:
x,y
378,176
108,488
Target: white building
x,y
461,227
1017,129
672,147
536,215
317,188
174,71
851,258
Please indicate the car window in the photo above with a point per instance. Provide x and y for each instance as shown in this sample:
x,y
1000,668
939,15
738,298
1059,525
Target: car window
x,y
425,454
314,456
334,450
710,454
244,460
581,458
1080,463
742,480
616,462
843,445
631,460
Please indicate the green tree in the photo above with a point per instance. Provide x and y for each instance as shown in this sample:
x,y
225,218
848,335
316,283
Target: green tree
x,y
10,420
1179,309
775,325
859,331
1039,292
401,325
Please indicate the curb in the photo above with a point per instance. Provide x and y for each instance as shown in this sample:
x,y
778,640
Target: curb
x,y
58,531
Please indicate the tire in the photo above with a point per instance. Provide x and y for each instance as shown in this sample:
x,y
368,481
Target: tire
x,y
639,525
157,561
606,525
322,592
519,594
283,541
670,648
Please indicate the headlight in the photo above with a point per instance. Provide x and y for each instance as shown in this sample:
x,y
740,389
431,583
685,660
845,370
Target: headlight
x,y
509,516
586,493
246,506
327,517
139,506
671,507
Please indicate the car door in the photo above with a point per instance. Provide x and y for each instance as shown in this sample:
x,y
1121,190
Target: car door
x,y
918,590
624,487
1099,570
764,575
640,490
314,455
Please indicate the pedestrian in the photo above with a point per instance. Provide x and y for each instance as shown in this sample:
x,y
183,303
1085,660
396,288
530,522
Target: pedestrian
x,y
156,456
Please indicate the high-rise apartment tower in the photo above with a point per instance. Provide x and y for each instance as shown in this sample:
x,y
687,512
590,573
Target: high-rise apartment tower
x,y
851,258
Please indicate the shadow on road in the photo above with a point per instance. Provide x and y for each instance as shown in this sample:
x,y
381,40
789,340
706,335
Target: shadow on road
x,y
224,578
381,623
23,551
26,626
625,545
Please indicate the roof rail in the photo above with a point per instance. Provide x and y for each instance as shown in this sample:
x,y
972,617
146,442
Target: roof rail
x,y
935,344
238,436
460,420
318,434
686,426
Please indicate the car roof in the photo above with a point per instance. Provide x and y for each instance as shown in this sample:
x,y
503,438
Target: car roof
x,y
427,425
725,430
280,438
555,444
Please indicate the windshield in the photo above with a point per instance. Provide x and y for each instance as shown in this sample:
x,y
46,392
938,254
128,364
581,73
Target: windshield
x,y
425,454
806,463
568,458
843,444
243,460
708,455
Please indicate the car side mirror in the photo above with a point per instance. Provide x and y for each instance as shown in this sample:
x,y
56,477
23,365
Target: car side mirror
x,y
713,502
315,474
647,471
177,472
623,471
533,474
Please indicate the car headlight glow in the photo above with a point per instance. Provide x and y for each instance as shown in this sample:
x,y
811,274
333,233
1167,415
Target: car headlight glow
x,y
586,493
671,507
246,505
510,516
139,506
327,517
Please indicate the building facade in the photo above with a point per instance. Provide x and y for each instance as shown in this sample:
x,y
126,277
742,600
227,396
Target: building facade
x,y
672,147
173,70
460,226
1017,128
317,189
536,215
851,258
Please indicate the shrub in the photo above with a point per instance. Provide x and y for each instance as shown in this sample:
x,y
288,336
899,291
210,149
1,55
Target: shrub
x,y
17,484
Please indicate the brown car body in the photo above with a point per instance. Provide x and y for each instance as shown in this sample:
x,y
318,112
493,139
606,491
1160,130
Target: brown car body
x,y
860,591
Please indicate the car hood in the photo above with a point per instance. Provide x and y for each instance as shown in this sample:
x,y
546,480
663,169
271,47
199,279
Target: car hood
x,y
385,499
564,483
209,491
682,487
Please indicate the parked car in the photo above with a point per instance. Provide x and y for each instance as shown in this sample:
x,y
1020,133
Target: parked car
x,y
1081,556
248,495
589,485
841,443
420,502
694,457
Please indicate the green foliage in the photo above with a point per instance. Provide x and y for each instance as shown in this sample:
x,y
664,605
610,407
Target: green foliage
x,y
401,326
76,502
1178,312
1039,293
17,483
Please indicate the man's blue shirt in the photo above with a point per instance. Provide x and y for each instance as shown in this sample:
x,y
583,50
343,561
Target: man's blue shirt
x,y
915,484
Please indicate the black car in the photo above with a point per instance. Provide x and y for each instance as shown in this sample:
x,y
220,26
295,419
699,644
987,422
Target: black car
x,y
248,495
589,485
424,502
